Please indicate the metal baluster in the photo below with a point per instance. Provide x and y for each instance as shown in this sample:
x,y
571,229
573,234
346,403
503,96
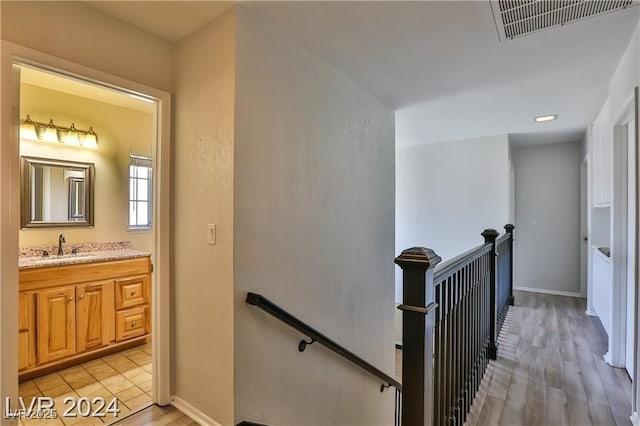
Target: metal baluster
x,y
465,347
465,344
437,350
456,346
448,355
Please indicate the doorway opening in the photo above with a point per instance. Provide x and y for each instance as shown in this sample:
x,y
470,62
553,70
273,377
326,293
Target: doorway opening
x,y
623,223
631,248
88,337
108,338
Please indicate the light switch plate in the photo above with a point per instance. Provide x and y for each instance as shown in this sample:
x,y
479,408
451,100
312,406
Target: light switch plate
x,y
211,234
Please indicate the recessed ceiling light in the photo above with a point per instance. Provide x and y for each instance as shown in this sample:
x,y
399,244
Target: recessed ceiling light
x,y
543,118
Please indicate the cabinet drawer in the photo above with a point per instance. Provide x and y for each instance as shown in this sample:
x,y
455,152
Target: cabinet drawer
x,y
132,292
131,323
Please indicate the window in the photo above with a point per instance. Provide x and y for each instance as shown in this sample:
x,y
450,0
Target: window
x,y
140,190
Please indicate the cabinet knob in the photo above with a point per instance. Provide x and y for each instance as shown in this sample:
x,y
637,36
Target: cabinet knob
x,y
133,292
81,296
133,323
70,298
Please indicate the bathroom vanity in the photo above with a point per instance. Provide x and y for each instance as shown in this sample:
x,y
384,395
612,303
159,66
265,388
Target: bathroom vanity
x,y
76,307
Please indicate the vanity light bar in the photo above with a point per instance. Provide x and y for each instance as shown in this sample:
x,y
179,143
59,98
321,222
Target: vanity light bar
x,y
50,132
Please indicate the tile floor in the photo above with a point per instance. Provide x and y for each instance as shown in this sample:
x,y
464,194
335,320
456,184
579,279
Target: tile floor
x,y
125,375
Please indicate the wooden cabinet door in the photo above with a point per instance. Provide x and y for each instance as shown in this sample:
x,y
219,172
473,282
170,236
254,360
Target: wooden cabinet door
x,y
94,315
26,330
56,323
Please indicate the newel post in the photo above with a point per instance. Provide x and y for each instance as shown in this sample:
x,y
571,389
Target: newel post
x,y
490,236
509,228
417,307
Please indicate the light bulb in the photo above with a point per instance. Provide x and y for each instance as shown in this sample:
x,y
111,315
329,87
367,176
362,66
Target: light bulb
x,y
90,139
72,136
50,133
28,130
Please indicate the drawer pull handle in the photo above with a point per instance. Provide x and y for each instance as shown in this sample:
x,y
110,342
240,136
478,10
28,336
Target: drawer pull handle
x,y
133,292
23,330
133,323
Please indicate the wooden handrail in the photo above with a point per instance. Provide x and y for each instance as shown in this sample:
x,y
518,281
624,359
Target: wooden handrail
x,y
452,265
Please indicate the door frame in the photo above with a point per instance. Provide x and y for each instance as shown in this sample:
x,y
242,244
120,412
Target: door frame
x,y
11,53
630,275
616,356
635,394
584,225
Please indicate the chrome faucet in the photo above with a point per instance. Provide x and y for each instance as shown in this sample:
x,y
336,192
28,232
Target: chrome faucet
x,y
60,241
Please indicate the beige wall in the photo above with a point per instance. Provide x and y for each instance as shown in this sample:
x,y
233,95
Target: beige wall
x,y
79,33
203,193
119,130
314,226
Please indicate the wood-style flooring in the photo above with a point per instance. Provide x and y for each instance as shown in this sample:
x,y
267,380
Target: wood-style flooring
x,y
550,369
157,416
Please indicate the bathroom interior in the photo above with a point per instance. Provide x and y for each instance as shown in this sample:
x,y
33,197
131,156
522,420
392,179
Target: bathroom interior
x,y
86,244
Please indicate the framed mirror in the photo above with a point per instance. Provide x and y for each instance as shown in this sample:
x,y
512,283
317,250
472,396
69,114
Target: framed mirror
x,y
56,193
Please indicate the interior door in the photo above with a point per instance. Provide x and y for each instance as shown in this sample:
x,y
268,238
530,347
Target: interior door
x,y
631,246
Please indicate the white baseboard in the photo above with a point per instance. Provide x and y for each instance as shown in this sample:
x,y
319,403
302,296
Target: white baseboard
x,y
544,290
635,418
591,312
193,412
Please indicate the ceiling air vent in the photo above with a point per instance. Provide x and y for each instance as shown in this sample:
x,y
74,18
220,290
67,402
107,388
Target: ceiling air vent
x,y
517,18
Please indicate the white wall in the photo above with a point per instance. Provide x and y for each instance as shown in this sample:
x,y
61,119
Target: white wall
x,y
448,193
203,193
625,78
621,87
601,226
314,222
547,243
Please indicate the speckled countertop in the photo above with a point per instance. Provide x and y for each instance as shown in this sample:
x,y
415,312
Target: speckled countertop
x,y
86,253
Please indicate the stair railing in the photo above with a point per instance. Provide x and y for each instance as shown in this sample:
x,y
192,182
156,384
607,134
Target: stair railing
x,y
315,336
452,314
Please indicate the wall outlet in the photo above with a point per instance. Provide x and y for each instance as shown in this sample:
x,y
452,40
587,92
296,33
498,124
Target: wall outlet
x,y
211,234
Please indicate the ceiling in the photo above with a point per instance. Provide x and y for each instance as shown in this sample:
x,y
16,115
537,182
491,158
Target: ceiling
x,y
37,77
168,20
439,64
